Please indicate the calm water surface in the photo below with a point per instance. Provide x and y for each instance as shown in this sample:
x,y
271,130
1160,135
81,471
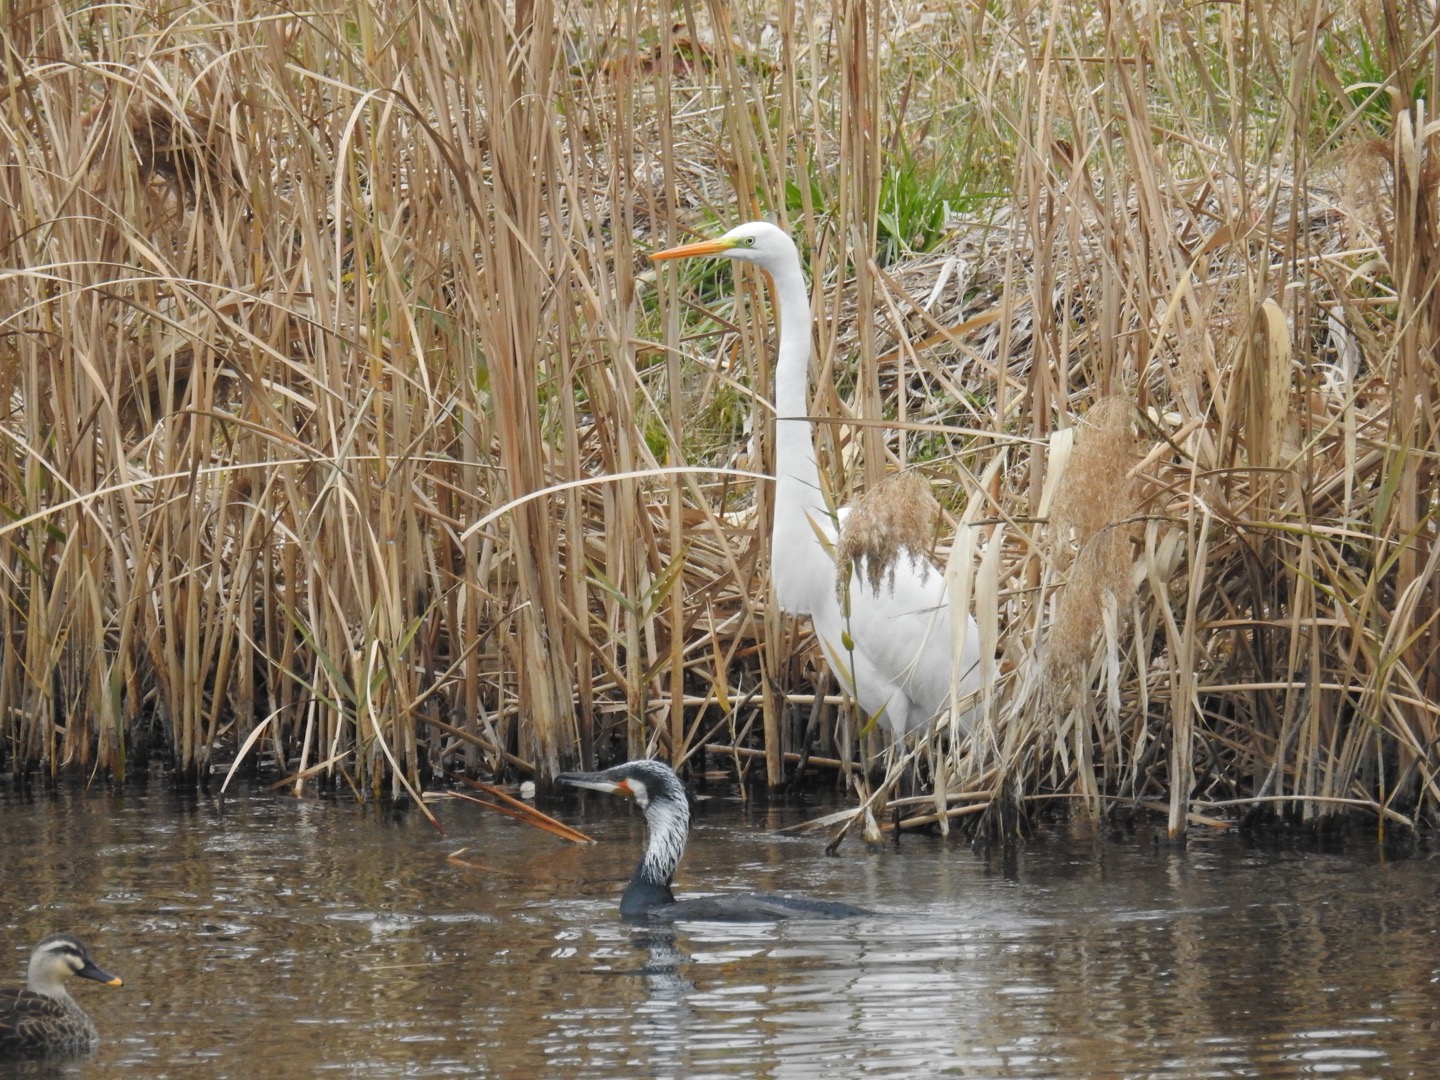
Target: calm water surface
x,y
267,936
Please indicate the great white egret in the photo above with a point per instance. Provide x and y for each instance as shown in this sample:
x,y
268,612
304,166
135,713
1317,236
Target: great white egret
x,y
42,1020
660,794
900,659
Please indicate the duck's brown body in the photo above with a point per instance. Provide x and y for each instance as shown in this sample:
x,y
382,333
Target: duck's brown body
x,y
34,1025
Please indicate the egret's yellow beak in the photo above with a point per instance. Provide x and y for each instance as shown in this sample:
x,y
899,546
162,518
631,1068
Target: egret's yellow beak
x,y
687,251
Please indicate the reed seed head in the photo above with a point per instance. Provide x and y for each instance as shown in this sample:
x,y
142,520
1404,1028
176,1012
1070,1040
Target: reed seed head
x,y
896,519
1092,509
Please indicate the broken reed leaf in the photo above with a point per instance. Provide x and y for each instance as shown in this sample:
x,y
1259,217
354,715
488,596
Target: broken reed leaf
x,y
522,812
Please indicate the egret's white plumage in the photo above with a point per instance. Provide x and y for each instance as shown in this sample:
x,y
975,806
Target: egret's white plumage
x,y
900,665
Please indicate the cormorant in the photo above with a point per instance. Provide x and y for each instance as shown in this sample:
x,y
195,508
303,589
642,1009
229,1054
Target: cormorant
x,y
648,898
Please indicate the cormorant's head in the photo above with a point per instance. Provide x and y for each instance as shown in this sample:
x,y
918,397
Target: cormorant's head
x,y
660,794
647,782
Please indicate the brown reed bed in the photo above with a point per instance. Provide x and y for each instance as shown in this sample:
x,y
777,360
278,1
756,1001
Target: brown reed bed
x,y
300,309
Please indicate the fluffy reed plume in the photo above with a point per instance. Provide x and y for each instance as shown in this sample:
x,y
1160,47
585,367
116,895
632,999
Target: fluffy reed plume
x,y
1092,531
896,519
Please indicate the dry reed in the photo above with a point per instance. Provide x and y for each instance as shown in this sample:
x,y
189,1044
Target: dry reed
x,y
293,300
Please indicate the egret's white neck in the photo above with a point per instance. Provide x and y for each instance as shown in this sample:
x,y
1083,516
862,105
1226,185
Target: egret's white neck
x,y
792,372
801,568
794,442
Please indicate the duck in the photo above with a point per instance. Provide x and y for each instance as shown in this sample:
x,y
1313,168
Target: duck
x,y
649,898
41,1019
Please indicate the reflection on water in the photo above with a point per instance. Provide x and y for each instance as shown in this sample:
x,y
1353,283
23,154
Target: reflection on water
x,y
269,937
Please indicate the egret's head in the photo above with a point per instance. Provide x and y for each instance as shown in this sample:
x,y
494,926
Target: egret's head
x,y
756,242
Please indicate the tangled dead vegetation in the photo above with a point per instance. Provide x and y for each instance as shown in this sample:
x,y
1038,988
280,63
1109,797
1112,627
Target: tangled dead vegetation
x,y
348,434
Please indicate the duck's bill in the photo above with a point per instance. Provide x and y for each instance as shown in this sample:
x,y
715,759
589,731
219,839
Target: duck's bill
x,y
90,971
688,251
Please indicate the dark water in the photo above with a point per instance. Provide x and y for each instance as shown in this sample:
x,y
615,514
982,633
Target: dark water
x,y
274,937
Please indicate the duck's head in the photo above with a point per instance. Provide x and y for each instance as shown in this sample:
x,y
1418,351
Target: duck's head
x,y
56,959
